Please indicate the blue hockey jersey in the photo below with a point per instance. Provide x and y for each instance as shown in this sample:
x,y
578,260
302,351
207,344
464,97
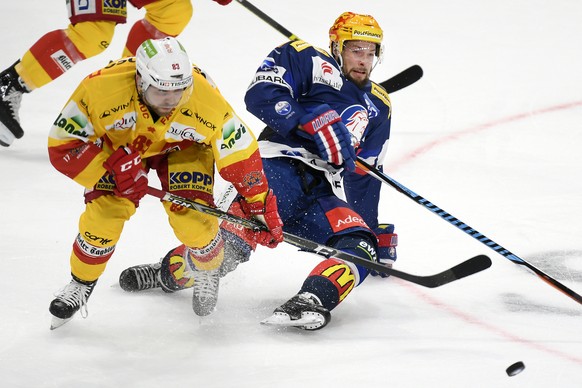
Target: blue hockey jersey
x,y
292,81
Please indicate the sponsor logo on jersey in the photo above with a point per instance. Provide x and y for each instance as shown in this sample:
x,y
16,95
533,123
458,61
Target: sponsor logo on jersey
x,y
129,120
343,218
115,7
190,180
62,60
179,131
73,125
118,108
231,136
205,122
235,137
323,72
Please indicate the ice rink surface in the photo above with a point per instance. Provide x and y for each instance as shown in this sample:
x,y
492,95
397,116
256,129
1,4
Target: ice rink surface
x,y
492,134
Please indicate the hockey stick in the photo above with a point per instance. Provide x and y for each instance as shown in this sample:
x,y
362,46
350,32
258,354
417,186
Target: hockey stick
x,y
399,81
269,20
459,271
467,229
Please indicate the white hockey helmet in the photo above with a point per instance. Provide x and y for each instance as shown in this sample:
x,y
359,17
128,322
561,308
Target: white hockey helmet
x,y
164,64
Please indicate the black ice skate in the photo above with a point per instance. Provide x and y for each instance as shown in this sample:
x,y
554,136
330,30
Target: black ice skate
x,y
11,89
303,311
205,295
140,277
69,300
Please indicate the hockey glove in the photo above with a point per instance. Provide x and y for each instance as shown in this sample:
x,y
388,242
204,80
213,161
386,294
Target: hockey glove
x,y
325,127
223,2
387,242
131,180
268,214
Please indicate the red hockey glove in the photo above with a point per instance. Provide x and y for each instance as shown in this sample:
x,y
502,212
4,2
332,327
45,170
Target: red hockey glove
x,y
387,242
131,180
223,2
334,142
267,213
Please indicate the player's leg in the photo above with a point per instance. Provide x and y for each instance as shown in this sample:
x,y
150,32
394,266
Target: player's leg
x,y
163,18
100,227
56,52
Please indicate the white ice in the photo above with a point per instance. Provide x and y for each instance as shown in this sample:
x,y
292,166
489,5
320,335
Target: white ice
x,y
492,134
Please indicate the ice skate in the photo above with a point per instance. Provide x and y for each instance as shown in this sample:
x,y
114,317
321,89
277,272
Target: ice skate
x,y
69,300
303,311
140,277
236,251
11,90
205,295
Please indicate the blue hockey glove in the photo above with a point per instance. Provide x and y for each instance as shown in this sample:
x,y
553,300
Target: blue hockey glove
x,y
387,242
325,127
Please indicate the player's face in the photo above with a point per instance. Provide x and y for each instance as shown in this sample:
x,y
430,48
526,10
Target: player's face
x,y
358,61
162,101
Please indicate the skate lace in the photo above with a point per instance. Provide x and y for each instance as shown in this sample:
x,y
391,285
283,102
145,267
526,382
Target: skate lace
x,y
76,294
206,284
146,277
14,98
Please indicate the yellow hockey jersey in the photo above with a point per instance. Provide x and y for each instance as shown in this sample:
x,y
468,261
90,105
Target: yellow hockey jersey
x,y
105,112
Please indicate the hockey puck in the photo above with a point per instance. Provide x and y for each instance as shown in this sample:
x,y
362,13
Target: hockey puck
x,y
516,368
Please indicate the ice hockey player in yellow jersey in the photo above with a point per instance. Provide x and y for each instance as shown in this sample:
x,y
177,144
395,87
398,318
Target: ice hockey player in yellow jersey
x,y
155,111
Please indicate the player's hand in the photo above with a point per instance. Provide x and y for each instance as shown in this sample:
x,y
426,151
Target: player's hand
x,y
131,179
334,142
268,214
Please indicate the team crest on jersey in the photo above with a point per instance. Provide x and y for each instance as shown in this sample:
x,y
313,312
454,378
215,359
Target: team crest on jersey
x,y
324,72
356,119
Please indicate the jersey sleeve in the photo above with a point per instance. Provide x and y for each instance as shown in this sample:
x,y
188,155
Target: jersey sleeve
x,y
237,157
278,84
72,141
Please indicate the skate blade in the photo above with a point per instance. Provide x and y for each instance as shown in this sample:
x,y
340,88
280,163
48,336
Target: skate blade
x,y
308,322
6,137
58,322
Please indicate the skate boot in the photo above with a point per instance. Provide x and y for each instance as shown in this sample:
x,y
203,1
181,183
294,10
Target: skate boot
x,y
205,295
236,251
72,298
303,311
140,277
11,89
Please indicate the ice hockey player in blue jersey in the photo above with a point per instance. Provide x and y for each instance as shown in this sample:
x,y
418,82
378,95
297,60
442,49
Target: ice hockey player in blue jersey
x,y
321,110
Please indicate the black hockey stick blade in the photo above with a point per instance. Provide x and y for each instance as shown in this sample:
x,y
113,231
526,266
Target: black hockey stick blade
x,y
459,271
403,79
469,267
